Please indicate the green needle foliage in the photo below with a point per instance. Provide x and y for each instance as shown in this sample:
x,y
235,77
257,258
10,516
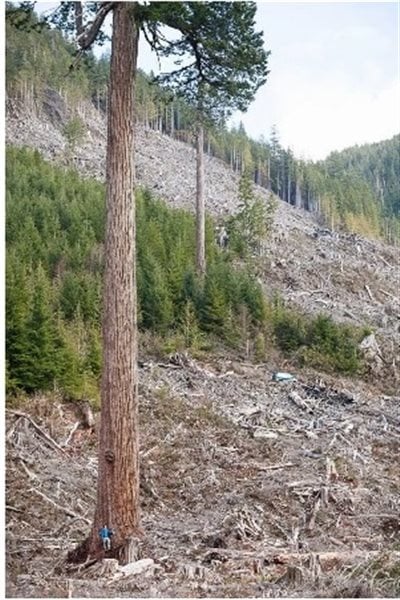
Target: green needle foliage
x,y
356,189
249,227
229,63
318,342
53,284
54,273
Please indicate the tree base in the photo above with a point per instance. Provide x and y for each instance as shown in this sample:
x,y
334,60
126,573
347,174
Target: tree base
x,y
128,552
80,553
124,553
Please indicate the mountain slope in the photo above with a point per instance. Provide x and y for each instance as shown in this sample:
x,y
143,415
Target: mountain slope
x,y
356,190
245,491
378,164
354,279
249,487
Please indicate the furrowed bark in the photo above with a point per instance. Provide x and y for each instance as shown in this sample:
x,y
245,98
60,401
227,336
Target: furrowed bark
x,y
118,469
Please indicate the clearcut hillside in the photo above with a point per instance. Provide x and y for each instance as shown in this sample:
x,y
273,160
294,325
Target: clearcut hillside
x,y
353,279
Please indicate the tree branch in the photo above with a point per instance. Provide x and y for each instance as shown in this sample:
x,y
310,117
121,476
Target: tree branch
x,y
49,439
89,33
64,509
171,74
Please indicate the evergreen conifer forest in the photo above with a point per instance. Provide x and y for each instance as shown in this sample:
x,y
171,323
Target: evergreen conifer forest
x,y
55,230
356,189
55,223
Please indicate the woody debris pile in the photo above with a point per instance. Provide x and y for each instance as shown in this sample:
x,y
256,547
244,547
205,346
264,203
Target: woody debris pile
x,y
249,487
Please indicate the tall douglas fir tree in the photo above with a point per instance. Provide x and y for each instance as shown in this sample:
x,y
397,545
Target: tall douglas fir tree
x,y
220,38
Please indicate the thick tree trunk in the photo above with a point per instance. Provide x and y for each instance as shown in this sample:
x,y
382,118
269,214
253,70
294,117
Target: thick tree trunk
x,y
200,211
118,466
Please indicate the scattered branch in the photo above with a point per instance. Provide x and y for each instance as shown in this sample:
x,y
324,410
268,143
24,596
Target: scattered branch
x,y
369,293
64,509
327,560
18,510
89,33
49,439
261,467
71,433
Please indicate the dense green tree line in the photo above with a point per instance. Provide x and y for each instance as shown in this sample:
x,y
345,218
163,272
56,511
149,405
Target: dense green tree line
x,y
55,223
357,189
377,167
39,58
54,232
55,229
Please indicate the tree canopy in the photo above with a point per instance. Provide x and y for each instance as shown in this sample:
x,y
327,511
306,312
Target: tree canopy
x,y
227,63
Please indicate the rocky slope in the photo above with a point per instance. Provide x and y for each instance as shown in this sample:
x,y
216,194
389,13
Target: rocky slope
x,y
353,279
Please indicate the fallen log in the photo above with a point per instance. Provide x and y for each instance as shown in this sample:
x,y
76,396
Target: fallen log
x,y
71,433
369,293
327,560
261,467
389,295
64,509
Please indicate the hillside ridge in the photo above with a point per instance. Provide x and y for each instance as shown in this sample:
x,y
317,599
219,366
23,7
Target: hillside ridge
x,y
354,279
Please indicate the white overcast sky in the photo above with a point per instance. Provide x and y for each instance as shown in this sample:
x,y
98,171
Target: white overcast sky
x,y
334,79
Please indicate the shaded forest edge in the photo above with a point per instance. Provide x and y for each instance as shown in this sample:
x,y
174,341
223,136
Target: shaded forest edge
x,y
54,235
356,190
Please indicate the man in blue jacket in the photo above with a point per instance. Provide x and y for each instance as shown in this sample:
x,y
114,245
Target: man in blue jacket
x,y
106,535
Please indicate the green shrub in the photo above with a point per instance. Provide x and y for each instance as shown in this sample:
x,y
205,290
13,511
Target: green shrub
x,y
55,231
259,347
338,342
318,342
252,223
74,132
289,330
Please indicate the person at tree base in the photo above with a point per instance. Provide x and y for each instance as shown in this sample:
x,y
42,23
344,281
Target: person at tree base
x,y
106,535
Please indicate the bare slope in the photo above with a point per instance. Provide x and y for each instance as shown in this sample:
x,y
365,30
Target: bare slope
x,y
249,488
